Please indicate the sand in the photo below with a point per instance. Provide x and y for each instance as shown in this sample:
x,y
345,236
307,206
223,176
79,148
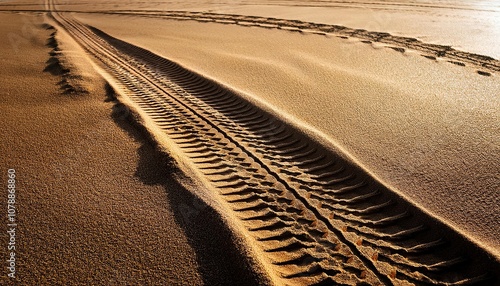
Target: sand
x,y
472,26
98,204
406,120
469,25
325,158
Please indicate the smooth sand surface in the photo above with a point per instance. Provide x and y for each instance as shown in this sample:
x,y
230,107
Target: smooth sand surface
x,y
430,129
97,203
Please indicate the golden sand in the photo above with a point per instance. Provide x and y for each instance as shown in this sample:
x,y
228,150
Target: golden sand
x,y
221,144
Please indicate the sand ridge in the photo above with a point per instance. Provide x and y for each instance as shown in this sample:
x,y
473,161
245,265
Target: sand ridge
x,y
370,20
467,25
413,122
72,80
70,230
302,211
221,129
98,203
397,43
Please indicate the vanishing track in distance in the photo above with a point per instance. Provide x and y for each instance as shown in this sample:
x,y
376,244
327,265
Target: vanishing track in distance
x,y
319,219
397,43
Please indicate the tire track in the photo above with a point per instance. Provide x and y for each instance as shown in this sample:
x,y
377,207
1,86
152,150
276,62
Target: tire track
x,y
319,219
486,65
398,43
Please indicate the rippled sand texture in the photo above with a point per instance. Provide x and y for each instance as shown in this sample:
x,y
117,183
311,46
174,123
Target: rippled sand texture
x,y
335,150
97,203
473,26
426,127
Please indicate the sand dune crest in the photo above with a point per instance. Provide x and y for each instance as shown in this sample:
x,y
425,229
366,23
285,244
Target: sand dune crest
x,y
315,217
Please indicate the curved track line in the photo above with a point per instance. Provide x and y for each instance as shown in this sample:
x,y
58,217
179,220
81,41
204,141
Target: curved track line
x,y
398,43
485,64
320,219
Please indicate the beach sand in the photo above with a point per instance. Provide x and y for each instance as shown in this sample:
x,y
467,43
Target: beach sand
x,y
97,203
254,150
429,129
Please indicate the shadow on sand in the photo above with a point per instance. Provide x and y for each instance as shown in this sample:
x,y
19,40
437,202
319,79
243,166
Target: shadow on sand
x,y
219,259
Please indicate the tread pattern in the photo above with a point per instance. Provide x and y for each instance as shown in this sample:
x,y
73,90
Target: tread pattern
x,y
319,219
485,64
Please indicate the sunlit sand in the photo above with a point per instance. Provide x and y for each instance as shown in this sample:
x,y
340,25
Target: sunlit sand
x,y
257,143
